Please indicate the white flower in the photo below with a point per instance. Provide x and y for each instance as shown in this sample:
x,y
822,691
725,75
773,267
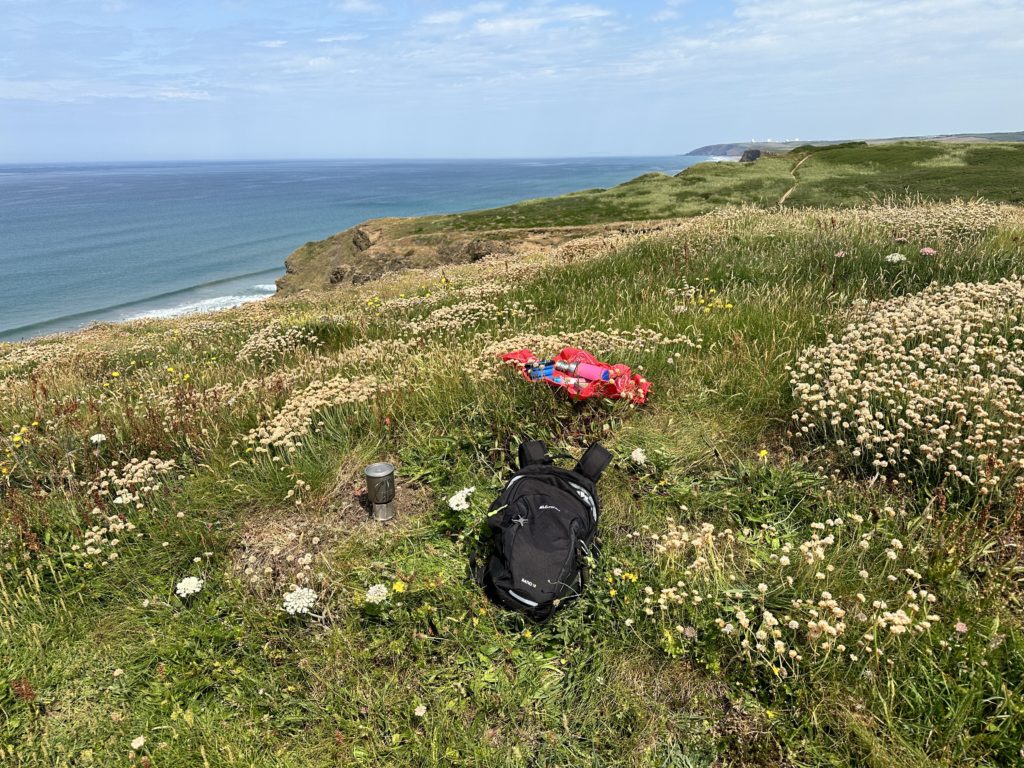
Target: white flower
x,y
895,258
639,456
377,594
460,501
139,743
299,600
190,585
420,711
98,438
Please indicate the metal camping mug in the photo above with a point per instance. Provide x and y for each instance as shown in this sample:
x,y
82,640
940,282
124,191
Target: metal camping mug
x,y
380,489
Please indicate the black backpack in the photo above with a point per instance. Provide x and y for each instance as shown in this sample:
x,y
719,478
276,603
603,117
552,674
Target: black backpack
x,y
543,524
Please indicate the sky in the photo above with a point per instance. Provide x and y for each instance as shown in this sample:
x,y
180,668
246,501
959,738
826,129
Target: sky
x,y
253,79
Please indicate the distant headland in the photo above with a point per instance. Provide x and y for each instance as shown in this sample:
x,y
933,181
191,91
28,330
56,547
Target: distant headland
x,y
737,148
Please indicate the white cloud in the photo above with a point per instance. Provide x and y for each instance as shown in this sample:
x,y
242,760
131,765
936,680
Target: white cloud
x,y
457,16
837,41
340,38
359,6
580,12
71,91
180,94
445,17
272,43
508,25
539,15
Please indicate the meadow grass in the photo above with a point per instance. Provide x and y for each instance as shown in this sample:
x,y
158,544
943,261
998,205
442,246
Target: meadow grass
x,y
728,533
841,175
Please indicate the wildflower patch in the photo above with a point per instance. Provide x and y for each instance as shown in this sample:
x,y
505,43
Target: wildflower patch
x,y
927,387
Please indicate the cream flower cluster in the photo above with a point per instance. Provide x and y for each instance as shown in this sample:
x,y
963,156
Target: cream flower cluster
x,y
273,341
295,420
454,317
300,600
591,339
377,594
933,379
190,585
128,483
801,626
460,501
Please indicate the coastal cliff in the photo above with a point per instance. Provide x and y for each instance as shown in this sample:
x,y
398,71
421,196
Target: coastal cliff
x,y
842,175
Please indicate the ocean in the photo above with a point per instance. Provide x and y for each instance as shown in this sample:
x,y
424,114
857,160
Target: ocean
x,y
81,243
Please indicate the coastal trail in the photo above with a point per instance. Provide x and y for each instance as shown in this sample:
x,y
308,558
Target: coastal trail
x,y
788,192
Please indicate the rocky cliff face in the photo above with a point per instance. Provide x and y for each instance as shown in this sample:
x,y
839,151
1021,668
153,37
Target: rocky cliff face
x,y
375,247
366,252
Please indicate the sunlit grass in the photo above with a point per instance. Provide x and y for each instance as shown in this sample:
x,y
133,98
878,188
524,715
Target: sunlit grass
x,y
97,650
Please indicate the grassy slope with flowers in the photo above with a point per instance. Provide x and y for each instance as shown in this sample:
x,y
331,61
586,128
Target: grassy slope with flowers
x,y
767,595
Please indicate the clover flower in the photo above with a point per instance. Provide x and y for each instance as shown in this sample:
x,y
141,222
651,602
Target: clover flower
x,y
299,600
460,501
139,742
420,711
189,586
377,594
639,456
926,251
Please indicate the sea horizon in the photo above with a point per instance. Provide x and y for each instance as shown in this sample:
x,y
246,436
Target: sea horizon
x,y
101,241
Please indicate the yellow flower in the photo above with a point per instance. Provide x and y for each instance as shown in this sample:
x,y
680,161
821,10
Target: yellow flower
x,y
527,634
612,592
398,586
115,374
762,454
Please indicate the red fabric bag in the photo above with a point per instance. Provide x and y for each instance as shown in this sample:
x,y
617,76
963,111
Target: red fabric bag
x,y
622,383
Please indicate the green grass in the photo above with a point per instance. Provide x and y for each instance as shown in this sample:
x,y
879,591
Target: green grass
x,y
696,190
227,678
842,175
864,174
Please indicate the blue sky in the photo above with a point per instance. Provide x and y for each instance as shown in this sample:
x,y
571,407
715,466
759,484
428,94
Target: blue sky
x,y
370,78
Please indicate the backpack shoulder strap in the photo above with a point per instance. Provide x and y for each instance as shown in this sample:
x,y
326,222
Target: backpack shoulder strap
x,y
533,452
593,462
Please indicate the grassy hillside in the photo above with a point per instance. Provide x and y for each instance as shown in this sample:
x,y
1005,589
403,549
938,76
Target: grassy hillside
x,y
811,549
858,174
844,175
